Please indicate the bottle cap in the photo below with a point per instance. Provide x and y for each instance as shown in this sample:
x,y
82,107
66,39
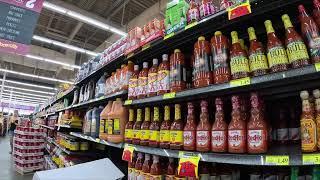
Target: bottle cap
x,y
316,3
301,8
136,67
218,33
252,33
201,38
218,101
123,65
155,61
268,25
234,36
204,103
145,65
165,57
316,93
177,51
118,99
304,95
286,21
130,62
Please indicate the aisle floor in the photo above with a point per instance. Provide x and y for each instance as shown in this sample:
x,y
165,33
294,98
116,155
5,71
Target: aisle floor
x,y
7,171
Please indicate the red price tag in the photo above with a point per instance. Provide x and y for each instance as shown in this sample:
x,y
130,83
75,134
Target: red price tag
x,y
188,164
127,153
239,10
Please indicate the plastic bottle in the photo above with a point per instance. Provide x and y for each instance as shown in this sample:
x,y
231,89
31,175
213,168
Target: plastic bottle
x,y
146,166
164,76
103,132
129,126
165,129
189,132
219,133
95,124
145,131
176,130
155,169
136,128
126,73
138,167
143,81
87,123
177,72
155,129
133,84
153,79
203,129
101,86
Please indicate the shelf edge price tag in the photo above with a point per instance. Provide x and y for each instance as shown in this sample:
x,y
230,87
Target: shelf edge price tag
x,y
128,102
188,164
127,153
169,95
191,25
239,9
146,46
240,82
277,160
309,159
168,36
317,66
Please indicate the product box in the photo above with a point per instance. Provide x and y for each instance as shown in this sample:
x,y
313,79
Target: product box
x,y
134,38
176,15
151,31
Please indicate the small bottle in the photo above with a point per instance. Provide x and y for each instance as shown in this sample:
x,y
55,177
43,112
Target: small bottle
x,y
153,79
165,129
129,126
189,132
133,84
164,76
176,130
143,81
136,128
203,129
145,131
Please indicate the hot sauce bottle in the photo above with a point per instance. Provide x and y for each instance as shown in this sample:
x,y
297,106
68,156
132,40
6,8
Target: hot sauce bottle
x,y
171,170
237,129
177,71
129,126
257,59
165,129
308,124
176,129
155,169
203,129
136,128
193,14
257,128
189,132
131,170
146,166
143,81
153,79
310,32
316,12
277,56
145,131
155,129
316,95
220,55
202,75
296,49
164,76
138,166
133,84
239,62
219,133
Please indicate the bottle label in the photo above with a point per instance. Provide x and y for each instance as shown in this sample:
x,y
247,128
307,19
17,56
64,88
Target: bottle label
x,y
136,134
201,64
239,64
155,177
203,138
145,134
164,136
129,133
152,83
314,45
277,56
189,138
256,138
116,126
282,134
193,15
308,134
294,134
131,174
109,126
258,61
142,85
102,125
177,113
176,136
236,137
154,135
220,57
177,73
169,177
132,90
139,175
163,80
219,138
297,50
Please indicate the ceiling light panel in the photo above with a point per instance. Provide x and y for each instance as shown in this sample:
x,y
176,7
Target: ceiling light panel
x,y
29,94
28,90
39,58
30,85
23,96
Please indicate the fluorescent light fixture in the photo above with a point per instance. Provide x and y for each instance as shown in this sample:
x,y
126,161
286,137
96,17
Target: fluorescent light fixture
x,y
39,58
17,101
82,18
28,90
29,94
36,76
27,99
60,44
23,96
31,85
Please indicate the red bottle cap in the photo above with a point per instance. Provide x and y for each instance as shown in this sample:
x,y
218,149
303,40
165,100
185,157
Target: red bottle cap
x,y
316,4
302,9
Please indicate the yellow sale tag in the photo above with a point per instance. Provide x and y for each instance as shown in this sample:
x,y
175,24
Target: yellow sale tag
x,y
188,164
127,153
317,66
168,36
309,159
130,55
277,160
128,102
240,82
146,46
190,25
169,95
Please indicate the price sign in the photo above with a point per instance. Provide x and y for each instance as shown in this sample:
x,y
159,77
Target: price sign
x,y
239,9
190,25
317,66
128,102
130,55
277,160
145,47
310,159
188,164
169,95
127,153
168,36
240,82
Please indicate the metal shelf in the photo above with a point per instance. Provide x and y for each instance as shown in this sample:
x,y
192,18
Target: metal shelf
x,y
48,127
70,152
97,140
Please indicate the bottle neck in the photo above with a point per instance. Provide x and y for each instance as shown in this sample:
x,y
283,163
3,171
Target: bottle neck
x,y
235,39
287,23
166,113
139,113
252,35
177,113
131,115
156,114
147,114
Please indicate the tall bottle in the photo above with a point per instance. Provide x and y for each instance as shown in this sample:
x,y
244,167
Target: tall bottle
x,y
143,81
165,129
145,131
257,59
203,129
177,71
155,169
164,76
220,55
219,133
146,166
131,165
171,169
296,49
129,128
189,132
308,124
277,56
193,14
138,166
153,79
237,130
202,75
128,72
176,129
257,141
155,129
136,128
133,84
316,12
310,32
238,59
316,95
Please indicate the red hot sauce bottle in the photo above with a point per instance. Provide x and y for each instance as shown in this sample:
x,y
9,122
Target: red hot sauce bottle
x,y
164,76
189,132
204,129
153,79
143,81
177,71
219,133
316,12
133,84
145,131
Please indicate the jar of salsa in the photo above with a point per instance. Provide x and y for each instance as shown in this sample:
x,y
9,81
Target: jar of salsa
x,y
219,133
202,75
155,129
138,166
164,76
146,166
153,79
155,170
177,71
133,84
171,170
189,132
220,55
136,128
203,129
238,59
129,128
176,130
257,59
257,128
193,14
296,49
277,56
145,131
165,129
316,12
143,81
237,129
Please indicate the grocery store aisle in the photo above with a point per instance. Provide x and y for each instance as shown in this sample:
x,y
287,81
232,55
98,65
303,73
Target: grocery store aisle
x,y
7,171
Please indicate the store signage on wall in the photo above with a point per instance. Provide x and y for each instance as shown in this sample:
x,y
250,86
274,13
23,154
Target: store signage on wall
x,y
18,19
